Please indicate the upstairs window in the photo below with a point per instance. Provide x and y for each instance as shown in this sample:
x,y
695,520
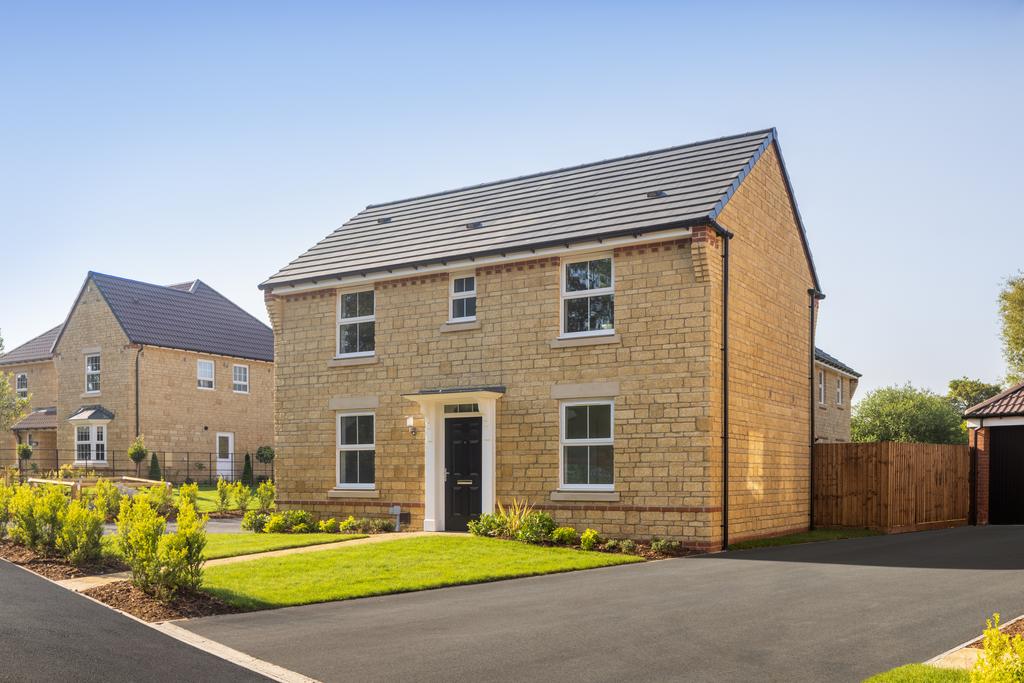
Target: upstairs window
x,y
21,384
356,450
205,374
356,324
839,391
92,374
588,456
90,444
821,387
463,298
588,297
240,379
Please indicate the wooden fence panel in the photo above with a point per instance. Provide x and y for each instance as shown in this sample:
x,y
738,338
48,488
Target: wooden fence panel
x,y
891,486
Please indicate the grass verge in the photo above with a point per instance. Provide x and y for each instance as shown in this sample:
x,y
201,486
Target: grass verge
x,y
394,567
920,673
232,545
804,537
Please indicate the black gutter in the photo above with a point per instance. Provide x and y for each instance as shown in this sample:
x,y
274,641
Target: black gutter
x,y
726,238
813,295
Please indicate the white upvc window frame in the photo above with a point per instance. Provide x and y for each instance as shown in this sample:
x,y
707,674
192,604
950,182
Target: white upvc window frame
x,y
339,447
565,295
454,296
96,441
821,387
21,391
212,379
97,373
563,442
235,382
839,391
339,321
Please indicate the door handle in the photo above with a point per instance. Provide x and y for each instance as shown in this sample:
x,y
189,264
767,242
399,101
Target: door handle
x,y
464,482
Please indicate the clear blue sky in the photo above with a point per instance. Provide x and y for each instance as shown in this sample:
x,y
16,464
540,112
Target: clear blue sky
x,y
220,140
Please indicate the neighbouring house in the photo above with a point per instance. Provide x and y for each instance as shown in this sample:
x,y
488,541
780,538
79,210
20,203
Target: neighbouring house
x,y
834,384
180,364
626,344
996,433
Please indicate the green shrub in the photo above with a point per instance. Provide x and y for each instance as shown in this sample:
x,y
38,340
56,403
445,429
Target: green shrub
x,y
24,529
137,451
589,539
24,451
296,518
160,497
665,547
106,499
139,529
154,467
243,495
348,526
380,525
565,535
180,554
266,492
611,545
189,493
328,526
628,546
6,494
223,495
1002,659
247,471
513,516
78,538
265,454
301,528
275,524
535,527
488,524
255,521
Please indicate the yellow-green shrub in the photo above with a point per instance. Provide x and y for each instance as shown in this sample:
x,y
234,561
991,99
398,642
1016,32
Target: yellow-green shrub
x,y
266,492
160,497
276,524
180,555
36,515
328,526
6,494
243,495
78,539
223,495
106,499
565,535
589,539
139,529
1002,660
189,493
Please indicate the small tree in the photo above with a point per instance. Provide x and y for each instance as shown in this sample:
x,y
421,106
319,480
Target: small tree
x,y
154,467
137,452
24,454
265,454
247,471
906,414
965,392
1011,310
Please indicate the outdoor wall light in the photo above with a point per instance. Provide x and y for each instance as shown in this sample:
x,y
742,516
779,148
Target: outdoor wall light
x,y
410,422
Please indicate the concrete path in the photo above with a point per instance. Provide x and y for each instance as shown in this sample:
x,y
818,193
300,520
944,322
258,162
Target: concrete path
x,y
835,611
227,525
50,634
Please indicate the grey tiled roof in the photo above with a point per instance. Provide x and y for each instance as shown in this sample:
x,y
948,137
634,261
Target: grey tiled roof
x,y
192,316
674,187
42,418
1004,404
39,348
91,413
834,362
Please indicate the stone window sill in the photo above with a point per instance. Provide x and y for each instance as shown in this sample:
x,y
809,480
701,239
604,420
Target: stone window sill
x,y
586,496
597,340
91,394
353,493
460,327
346,362
90,464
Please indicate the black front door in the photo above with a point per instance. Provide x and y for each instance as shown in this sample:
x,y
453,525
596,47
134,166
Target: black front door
x,y
1006,476
462,471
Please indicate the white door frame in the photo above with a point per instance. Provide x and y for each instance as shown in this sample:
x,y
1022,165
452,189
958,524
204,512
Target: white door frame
x,y
432,409
230,474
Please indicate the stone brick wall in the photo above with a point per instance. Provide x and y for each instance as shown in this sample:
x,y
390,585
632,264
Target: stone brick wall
x,y
769,319
831,420
42,387
979,441
660,360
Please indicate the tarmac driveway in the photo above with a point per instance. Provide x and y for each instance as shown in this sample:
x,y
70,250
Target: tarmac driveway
x,y
826,611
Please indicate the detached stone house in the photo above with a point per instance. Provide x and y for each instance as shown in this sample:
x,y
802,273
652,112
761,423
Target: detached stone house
x,y
180,364
835,382
626,344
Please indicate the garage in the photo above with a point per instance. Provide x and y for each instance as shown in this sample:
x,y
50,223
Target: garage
x,y
997,437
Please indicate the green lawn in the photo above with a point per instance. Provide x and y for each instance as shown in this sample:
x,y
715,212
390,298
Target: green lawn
x,y
920,673
230,545
804,537
393,567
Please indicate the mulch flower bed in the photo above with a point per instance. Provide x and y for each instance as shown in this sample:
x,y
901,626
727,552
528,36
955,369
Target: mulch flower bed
x,y
125,596
55,568
1013,629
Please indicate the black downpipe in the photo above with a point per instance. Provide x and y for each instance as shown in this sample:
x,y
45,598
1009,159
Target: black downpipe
x,y
813,295
726,237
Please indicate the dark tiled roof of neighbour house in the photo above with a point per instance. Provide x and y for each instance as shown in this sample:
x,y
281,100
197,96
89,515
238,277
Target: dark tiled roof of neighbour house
x,y
41,418
833,362
190,316
676,187
39,348
1008,403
